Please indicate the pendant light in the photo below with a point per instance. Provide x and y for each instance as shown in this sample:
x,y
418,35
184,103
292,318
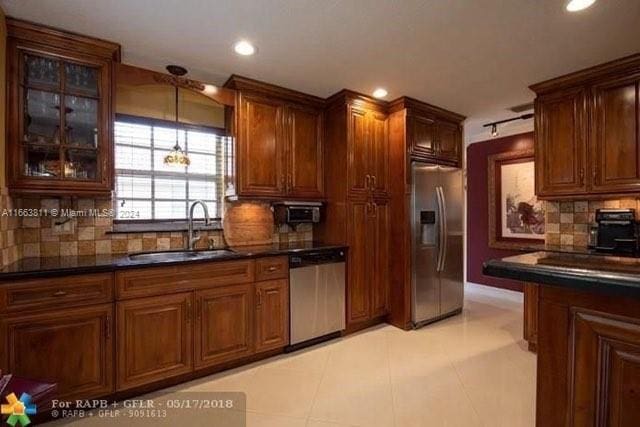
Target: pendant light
x,y
177,157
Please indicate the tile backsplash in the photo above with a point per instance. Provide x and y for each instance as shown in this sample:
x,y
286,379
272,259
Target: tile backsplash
x,y
568,222
10,248
43,236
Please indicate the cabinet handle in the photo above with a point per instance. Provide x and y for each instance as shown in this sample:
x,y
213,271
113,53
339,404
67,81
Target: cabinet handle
x,y
367,181
188,311
289,182
198,307
272,269
107,327
581,175
374,209
259,295
59,293
374,179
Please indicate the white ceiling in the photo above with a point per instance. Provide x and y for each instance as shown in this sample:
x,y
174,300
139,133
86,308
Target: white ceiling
x,y
475,57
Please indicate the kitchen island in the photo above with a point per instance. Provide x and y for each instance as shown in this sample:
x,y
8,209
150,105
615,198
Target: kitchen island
x,y
588,336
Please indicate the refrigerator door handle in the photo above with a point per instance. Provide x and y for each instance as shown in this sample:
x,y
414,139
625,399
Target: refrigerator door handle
x,y
440,229
445,231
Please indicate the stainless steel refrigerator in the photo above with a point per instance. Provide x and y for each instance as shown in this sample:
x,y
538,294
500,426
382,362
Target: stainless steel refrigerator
x,y
437,288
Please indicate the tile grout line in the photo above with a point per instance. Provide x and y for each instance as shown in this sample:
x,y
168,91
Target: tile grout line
x,y
393,404
315,395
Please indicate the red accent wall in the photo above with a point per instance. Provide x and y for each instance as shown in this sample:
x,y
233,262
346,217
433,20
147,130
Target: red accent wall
x,y
478,249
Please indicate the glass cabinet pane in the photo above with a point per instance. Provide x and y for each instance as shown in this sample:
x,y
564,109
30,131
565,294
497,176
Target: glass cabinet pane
x,y
42,117
80,78
81,118
42,160
42,72
81,164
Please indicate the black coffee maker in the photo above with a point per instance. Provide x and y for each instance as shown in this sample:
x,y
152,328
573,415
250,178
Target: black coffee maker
x,y
617,231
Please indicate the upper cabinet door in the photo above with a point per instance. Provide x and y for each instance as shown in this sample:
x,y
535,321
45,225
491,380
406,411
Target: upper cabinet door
x,y
615,137
378,154
305,177
260,142
449,141
421,135
59,115
358,151
560,143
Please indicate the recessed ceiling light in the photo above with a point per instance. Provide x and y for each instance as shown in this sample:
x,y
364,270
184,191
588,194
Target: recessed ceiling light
x,y
210,89
576,5
244,48
379,93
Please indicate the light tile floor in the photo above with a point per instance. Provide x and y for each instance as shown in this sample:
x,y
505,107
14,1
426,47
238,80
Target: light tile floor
x,y
469,370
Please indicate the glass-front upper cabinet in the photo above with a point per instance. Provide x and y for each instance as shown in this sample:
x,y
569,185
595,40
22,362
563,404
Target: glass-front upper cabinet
x,y
60,119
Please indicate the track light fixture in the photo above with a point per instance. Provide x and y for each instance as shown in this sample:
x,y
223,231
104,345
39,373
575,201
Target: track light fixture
x,y
494,125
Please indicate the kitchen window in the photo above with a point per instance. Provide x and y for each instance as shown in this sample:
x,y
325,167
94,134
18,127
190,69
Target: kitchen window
x,y
147,190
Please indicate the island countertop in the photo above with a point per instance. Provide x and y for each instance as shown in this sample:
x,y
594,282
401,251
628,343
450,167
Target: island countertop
x,y
614,275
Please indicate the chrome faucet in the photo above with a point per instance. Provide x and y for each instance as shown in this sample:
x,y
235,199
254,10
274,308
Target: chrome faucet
x,y
192,235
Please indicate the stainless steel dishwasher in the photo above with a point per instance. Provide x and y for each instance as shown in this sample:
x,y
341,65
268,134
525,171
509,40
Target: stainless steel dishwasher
x,y
317,296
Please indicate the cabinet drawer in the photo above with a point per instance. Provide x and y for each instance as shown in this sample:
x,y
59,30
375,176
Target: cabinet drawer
x,y
179,278
56,292
272,268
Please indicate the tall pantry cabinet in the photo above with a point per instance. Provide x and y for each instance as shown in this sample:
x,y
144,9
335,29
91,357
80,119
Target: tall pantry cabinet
x,y
357,159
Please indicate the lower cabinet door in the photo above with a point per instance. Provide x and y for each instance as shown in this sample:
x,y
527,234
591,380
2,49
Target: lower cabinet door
x,y
224,329
154,339
379,246
359,229
272,319
72,347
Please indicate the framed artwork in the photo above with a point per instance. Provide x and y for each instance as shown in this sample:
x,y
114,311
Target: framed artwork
x,y
516,216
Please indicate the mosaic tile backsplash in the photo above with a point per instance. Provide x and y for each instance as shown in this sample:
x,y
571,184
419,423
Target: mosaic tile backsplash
x,y
9,231
35,236
567,223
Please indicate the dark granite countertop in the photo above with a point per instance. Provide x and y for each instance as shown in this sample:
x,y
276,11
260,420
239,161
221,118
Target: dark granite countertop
x,y
587,271
57,266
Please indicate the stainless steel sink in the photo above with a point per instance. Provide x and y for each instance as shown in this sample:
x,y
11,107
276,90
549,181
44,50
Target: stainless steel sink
x,y
168,256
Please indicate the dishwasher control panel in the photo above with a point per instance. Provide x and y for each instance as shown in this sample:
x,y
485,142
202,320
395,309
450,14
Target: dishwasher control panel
x,y
317,257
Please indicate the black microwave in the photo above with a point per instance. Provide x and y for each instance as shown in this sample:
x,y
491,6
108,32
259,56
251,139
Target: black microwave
x,y
297,212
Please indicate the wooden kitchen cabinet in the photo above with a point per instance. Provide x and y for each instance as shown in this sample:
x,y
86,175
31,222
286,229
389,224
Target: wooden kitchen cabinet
x,y
279,141
224,324
272,314
261,146
588,369
154,339
561,143
368,271
449,141
421,134
368,152
305,177
432,134
380,224
59,111
616,135
70,347
530,324
587,132
358,286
